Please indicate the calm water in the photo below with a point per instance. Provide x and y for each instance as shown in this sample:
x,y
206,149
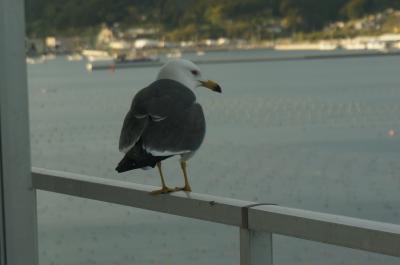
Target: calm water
x,y
306,134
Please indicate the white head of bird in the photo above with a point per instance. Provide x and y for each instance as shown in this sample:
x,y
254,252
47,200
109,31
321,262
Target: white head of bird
x,y
186,73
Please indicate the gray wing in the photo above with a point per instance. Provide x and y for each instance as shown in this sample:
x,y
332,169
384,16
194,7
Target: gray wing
x,y
132,129
182,132
153,104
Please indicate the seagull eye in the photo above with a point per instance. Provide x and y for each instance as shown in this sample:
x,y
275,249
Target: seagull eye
x,y
195,72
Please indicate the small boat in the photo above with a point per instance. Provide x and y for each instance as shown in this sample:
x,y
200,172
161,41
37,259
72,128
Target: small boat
x,y
98,56
327,46
354,46
123,63
94,53
137,60
105,58
200,53
175,54
49,56
35,60
74,57
376,45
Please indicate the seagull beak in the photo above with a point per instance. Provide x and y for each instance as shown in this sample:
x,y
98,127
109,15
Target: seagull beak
x,y
211,85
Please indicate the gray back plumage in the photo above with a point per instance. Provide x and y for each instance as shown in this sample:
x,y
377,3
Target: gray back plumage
x,y
166,117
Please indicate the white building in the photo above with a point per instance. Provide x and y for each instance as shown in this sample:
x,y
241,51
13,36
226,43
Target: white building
x,y
105,36
146,43
119,45
390,37
52,43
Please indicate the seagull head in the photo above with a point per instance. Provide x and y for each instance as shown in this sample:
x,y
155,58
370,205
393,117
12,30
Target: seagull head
x,y
186,73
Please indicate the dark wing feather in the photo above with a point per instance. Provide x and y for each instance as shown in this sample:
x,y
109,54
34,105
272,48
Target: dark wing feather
x,y
182,132
132,129
155,103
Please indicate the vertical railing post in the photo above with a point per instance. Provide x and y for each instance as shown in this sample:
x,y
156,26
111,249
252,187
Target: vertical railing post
x,y
17,198
255,247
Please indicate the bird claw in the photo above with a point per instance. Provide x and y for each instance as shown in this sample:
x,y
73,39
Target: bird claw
x,y
163,190
185,188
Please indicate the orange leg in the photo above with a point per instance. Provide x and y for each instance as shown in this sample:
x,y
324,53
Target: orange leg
x,y
164,189
187,186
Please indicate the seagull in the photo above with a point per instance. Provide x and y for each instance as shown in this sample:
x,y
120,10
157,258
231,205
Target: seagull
x,y
165,120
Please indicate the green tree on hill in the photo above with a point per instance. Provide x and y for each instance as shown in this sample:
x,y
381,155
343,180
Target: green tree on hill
x,y
180,19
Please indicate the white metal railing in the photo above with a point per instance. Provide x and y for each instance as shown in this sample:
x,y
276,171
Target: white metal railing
x,y
257,222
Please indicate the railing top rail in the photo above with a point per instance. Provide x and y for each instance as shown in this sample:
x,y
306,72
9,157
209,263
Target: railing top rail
x,y
379,237
193,205
338,230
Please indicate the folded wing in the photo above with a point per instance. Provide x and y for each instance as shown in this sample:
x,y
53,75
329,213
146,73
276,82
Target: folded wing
x,y
162,102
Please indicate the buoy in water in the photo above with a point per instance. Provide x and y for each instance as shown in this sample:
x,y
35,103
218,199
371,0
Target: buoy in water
x,y
392,133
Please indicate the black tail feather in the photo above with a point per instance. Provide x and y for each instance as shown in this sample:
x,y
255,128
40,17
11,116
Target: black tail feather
x,y
127,163
138,157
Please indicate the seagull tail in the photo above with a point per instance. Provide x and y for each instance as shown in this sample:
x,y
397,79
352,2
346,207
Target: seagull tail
x,y
127,163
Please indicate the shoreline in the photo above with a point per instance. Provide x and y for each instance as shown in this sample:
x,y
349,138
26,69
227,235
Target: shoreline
x,y
321,56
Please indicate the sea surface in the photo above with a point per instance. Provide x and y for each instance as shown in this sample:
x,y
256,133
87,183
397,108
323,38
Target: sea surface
x,y
321,135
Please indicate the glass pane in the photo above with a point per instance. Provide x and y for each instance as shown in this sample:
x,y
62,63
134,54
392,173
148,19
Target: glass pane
x,y
318,135
292,251
79,231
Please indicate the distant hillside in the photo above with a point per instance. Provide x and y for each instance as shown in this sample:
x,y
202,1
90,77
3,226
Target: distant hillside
x,y
184,19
